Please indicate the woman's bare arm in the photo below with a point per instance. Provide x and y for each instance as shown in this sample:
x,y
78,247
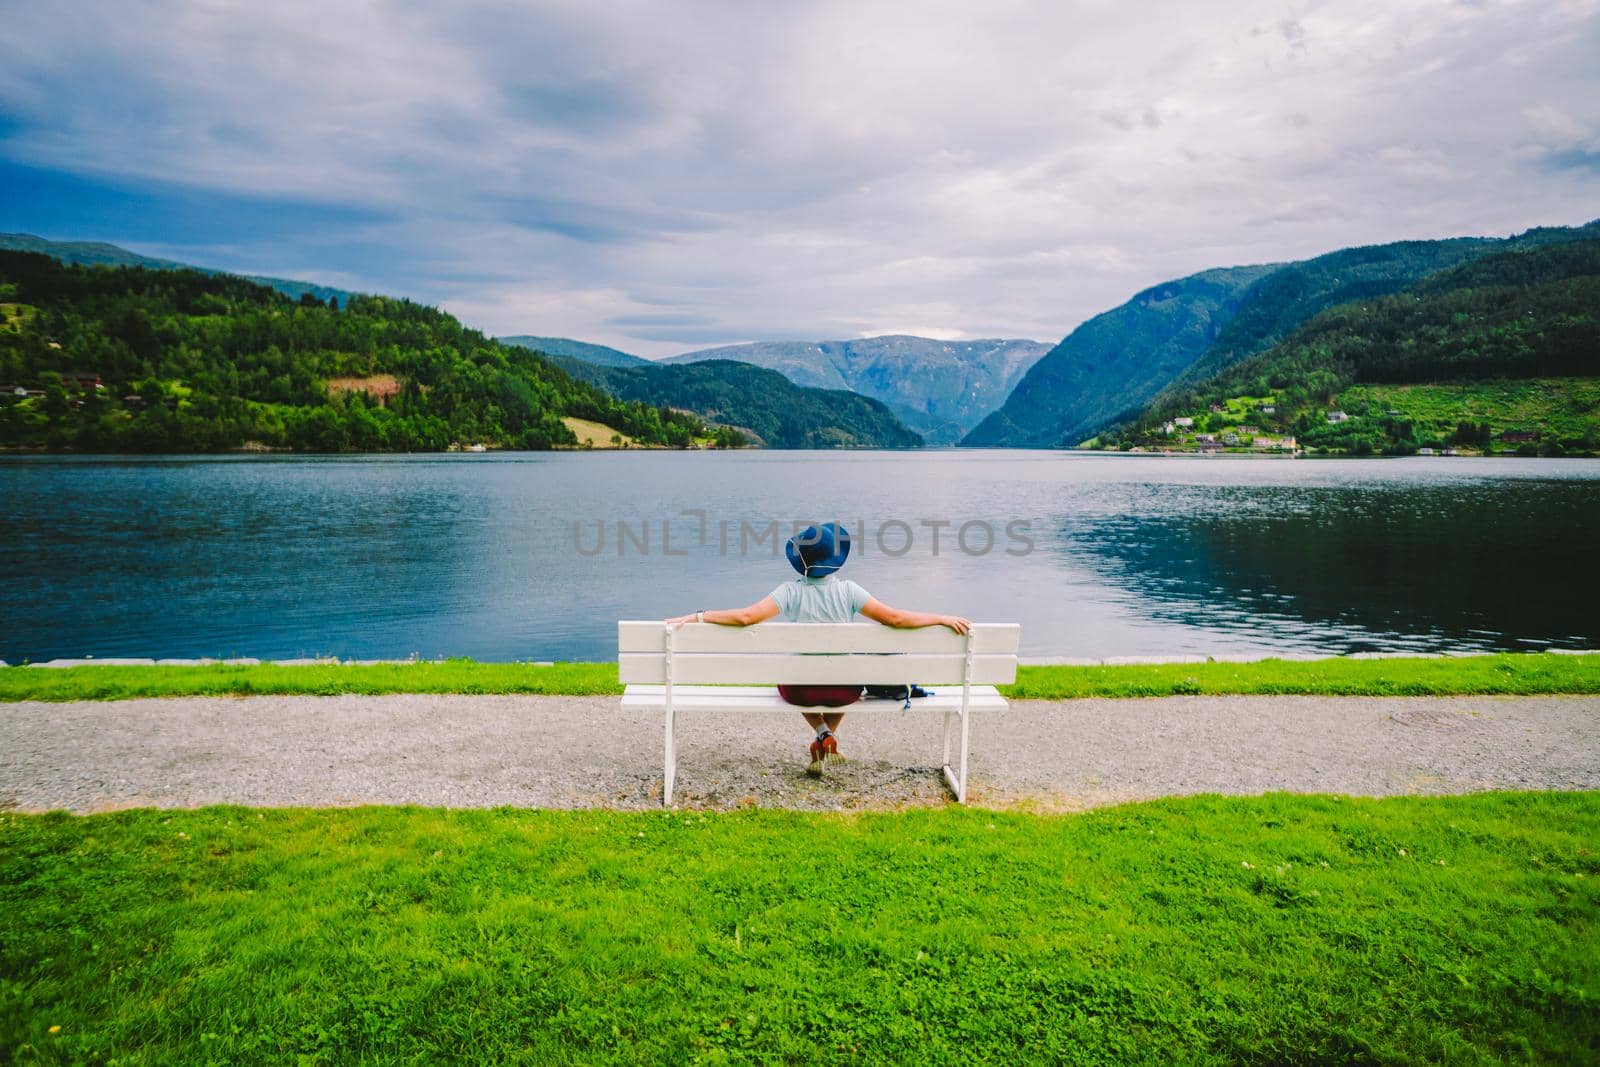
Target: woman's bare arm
x,y
878,611
760,611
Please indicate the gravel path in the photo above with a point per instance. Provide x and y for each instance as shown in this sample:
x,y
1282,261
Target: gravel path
x,y
481,751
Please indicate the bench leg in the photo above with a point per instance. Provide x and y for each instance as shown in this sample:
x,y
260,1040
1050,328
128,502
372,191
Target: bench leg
x,y
956,778
671,746
966,720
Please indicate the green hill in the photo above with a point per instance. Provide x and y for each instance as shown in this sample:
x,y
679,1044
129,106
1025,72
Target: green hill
x,y
101,254
778,412
191,362
566,346
1153,349
1496,352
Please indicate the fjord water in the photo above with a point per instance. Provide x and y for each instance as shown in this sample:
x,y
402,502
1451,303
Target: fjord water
x,y
535,556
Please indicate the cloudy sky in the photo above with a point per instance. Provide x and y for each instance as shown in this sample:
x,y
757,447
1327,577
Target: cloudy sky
x,y
668,176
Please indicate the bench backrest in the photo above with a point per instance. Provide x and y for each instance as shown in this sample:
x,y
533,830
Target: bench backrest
x,y
858,653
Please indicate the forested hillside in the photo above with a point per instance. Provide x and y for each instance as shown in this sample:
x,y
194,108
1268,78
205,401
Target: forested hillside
x,y
128,359
1449,345
1155,348
778,412
1290,296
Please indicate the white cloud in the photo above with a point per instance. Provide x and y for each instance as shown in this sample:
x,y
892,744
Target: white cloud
x,y
1552,123
938,333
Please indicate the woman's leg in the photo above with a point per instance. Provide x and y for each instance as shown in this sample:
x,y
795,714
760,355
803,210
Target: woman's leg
x,y
824,748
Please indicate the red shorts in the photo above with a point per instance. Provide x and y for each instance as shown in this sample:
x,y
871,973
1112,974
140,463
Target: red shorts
x,y
820,696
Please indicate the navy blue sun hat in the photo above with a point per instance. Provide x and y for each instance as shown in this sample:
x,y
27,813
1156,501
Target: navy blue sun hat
x,y
818,551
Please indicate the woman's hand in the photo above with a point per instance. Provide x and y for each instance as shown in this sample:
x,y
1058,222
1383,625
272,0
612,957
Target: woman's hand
x,y
681,619
956,623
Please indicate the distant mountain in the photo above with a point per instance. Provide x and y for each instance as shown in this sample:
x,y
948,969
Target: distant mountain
x,y
779,413
566,346
1165,339
98,253
941,389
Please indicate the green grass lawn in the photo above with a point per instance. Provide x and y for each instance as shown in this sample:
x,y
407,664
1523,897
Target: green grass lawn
x,y
1268,929
1506,673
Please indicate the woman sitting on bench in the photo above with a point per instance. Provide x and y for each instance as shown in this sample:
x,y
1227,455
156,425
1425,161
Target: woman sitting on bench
x,y
817,552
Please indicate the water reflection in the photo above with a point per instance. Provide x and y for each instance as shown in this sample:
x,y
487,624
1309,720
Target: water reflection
x,y
1361,567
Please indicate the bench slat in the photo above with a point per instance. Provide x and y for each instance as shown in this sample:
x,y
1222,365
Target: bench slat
x,y
765,698
647,636
734,669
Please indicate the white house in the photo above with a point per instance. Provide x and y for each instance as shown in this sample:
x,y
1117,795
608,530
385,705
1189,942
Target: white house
x,y
1167,427
1184,422
1337,416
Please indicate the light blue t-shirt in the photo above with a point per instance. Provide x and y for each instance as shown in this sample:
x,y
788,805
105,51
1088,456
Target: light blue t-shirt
x,y
820,599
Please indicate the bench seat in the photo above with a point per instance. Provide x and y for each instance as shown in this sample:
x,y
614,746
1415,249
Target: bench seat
x,y
766,698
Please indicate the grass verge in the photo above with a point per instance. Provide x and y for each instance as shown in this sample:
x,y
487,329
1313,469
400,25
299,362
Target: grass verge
x,y
1506,673
1509,673
447,676
1268,929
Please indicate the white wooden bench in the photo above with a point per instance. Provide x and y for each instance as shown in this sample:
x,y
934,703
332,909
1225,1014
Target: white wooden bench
x,y
706,667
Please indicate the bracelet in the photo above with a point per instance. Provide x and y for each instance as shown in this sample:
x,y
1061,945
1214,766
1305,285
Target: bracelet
x,y
699,616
